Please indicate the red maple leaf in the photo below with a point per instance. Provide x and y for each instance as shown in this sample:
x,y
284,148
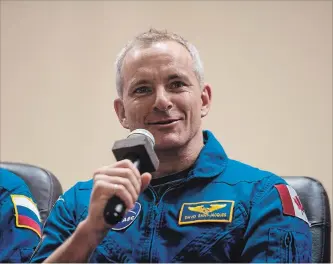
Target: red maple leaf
x,y
298,203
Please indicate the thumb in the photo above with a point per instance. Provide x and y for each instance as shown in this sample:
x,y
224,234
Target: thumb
x,y
145,180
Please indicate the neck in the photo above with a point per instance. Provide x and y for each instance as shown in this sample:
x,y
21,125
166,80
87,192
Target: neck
x,y
178,159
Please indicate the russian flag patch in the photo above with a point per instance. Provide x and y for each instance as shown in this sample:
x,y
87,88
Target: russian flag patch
x,y
26,213
291,203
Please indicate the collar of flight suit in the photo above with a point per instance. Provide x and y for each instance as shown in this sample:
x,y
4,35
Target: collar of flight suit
x,y
212,159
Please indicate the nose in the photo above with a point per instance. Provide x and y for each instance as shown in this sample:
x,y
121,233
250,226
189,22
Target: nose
x,y
162,101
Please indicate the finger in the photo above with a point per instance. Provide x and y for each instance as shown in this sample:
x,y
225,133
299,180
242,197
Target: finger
x,y
120,181
145,180
113,189
121,172
126,163
124,195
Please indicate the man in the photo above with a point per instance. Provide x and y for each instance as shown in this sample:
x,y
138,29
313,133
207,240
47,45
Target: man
x,y
20,227
199,206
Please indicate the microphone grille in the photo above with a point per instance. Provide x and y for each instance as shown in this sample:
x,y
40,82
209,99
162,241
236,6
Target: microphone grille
x,y
144,132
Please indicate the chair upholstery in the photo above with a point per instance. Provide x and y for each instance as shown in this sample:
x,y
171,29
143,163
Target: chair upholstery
x,y
316,205
44,186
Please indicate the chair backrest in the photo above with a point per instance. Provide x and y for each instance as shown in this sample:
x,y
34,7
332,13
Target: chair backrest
x,y
316,205
44,186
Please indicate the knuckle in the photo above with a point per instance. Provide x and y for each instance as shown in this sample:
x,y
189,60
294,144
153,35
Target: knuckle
x,y
99,170
121,187
127,182
129,164
98,185
128,172
126,162
95,176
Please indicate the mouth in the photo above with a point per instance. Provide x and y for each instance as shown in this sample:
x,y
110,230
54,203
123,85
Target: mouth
x,y
163,122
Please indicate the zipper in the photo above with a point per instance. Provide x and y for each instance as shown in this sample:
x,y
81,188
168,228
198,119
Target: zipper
x,y
170,188
153,227
288,243
156,204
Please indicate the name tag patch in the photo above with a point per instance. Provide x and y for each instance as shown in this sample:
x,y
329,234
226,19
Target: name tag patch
x,y
202,212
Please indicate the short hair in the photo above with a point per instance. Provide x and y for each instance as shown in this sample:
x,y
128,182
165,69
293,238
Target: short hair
x,y
153,36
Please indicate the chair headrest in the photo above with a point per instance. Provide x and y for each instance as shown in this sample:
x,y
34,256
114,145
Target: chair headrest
x,y
317,208
44,186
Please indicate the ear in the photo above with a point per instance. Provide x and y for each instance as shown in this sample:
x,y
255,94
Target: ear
x,y
120,110
206,98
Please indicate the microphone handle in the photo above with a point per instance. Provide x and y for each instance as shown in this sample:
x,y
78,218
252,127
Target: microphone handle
x,y
115,208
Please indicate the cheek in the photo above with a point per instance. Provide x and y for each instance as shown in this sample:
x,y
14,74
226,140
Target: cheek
x,y
135,112
192,108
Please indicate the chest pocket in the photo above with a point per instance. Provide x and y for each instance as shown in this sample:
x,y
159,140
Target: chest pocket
x,y
112,250
288,247
215,242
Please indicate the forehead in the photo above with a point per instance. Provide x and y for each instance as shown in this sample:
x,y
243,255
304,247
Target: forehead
x,y
158,58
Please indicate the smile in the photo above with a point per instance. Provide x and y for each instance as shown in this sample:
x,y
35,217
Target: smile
x,y
164,122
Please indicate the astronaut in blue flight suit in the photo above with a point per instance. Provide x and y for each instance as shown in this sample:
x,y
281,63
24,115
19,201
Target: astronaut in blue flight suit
x,y
199,206
20,226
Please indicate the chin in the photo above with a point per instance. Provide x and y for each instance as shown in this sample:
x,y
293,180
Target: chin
x,y
168,142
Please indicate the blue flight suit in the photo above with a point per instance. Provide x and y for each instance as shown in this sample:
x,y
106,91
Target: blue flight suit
x,y
20,227
223,211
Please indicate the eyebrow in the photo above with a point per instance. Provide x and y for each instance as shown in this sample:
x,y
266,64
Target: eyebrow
x,y
177,76
140,82
169,78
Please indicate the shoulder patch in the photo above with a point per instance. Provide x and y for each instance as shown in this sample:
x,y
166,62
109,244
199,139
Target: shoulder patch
x,y
26,213
291,203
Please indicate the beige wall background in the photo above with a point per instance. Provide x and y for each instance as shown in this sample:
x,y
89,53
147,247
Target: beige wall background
x,y
269,63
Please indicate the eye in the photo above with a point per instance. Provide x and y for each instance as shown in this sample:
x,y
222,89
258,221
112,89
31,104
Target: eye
x,y
142,90
177,84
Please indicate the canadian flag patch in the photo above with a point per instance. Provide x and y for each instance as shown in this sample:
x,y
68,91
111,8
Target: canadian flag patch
x,y
291,203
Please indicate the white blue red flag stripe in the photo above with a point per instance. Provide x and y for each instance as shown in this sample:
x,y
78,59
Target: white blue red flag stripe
x,y
26,213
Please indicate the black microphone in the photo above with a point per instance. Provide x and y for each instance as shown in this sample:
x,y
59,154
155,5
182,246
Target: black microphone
x,y
138,147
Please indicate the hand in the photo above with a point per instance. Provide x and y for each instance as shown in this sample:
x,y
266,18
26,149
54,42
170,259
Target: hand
x,y
121,179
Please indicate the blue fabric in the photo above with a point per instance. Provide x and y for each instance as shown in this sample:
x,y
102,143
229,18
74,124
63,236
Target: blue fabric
x,y
16,243
240,212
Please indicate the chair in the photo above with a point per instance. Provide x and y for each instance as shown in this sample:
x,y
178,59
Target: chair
x,y
44,186
316,205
